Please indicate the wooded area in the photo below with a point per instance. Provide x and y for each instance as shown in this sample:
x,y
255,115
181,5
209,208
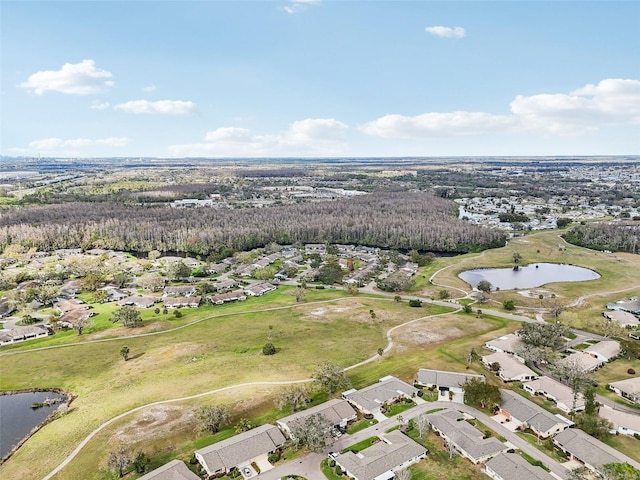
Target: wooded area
x,y
615,237
416,220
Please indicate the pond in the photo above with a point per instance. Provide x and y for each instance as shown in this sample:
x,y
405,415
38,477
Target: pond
x,y
17,417
530,276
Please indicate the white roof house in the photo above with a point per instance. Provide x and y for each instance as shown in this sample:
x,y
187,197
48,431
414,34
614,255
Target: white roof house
x,y
449,384
629,389
606,350
623,422
556,392
464,437
380,461
174,470
511,466
369,400
510,343
240,450
584,361
511,369
622,318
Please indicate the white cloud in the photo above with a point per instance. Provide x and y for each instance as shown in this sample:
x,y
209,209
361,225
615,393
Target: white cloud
x,y
436,125
73,78
609,103
312,136
58,144
98,105
163,107
446,32
149,88
298,5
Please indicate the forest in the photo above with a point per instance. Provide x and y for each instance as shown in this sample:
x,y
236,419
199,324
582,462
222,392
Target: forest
x,y
615,237
408,220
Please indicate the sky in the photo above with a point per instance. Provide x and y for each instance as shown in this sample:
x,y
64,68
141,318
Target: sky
x,y
319,78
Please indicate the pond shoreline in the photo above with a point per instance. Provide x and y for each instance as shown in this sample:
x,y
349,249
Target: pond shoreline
x,y
61,409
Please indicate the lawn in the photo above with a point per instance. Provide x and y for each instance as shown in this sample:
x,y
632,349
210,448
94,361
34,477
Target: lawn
x,y
398,408
357,447
355,427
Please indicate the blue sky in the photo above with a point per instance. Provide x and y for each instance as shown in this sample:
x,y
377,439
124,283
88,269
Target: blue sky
x,y
318,78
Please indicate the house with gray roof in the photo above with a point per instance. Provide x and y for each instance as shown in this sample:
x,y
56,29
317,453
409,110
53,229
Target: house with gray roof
x,y
592,453
624,423
179,291
510,466
338,412
511,369
388,390
510,343
257,289
466,439
632,305
622,318
174,470
20,334
448,384
181,302
395,451
556,392
141,301
605,350
583,361
527,414
235,296
629,389
240,450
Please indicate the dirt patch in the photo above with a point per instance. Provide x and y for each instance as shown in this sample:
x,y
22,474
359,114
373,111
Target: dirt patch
x,y
153,422
427,332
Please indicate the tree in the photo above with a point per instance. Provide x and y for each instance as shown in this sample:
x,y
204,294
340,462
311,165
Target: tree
x,y
404,474
243,425
296,396
609,329
153,255
119,459
484,286
473,356
594,425
631,349
178,270
299,293
211,417
421,423
141,462
543,334
46,294
477,391
397,299
124,351
329,274
80,323
380,351
331,378
509,304
590,404
372,314
517,257
395,282
128,315
414,302
556,308
269,349
467,308
620,471
352,289
314,434
151,281
576,377
444,294
121,279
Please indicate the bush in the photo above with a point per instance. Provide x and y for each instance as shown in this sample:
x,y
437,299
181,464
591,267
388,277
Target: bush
x,y
420,393
338,470
319,287
332,463
274,456
177,313
415,303
269,349
631,371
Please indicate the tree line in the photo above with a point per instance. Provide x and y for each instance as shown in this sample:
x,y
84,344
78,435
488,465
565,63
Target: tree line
x,y
416,220
615,237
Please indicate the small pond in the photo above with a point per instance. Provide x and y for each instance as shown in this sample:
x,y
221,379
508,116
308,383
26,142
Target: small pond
x,y
17,418
530,276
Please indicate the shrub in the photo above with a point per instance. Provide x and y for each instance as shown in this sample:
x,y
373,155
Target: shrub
x,y
420,393
319,287
415,303
338,470
332,463
269,349
631,371
177,313
274,456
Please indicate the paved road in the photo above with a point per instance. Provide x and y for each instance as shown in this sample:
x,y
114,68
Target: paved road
x,y
309,465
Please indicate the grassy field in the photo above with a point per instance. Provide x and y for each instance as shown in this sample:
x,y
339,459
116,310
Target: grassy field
x,y
214,347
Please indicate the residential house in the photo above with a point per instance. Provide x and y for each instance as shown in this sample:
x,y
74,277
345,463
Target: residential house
x,y
527,414
556,392
114,294
511,466
624,423
388,390
592,453
174,470
179,291
466,439
236,296
225,285
319,248
394,452
605,350
70,289
217,268
632,305
511,369
622,318
510,343
64,306
74,317
258,289
583,361
338,412
6,307
629,389
20,334
141,301
191,262
181,302
240,450
448,384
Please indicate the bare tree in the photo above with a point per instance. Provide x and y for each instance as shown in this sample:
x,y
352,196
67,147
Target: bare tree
x,y
331,378
296,396
119,459
422,425
211,417
314,434
403,474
